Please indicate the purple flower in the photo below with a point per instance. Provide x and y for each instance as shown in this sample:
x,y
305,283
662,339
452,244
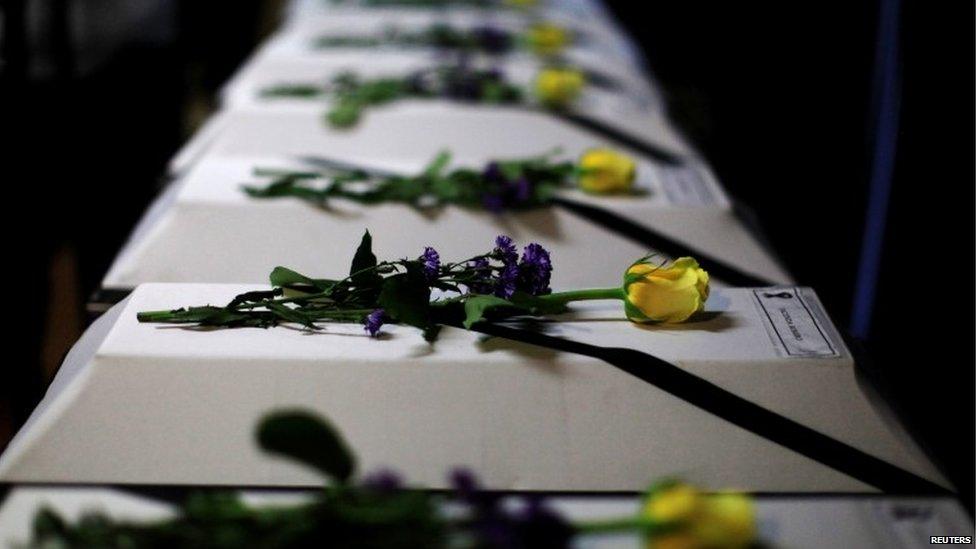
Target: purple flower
x,y
432,263
492,39
523,189
464,482
505,250
463,87
481,284
495,74
374,321
493,173
493,203
539,526
383,481
507,280
535,270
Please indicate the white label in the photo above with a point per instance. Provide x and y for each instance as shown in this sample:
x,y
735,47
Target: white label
x,y
686,186
795,329
916,523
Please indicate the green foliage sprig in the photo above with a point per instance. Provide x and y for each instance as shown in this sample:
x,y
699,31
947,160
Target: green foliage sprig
x,y
489,284
352,95
506,184
424,3
483,39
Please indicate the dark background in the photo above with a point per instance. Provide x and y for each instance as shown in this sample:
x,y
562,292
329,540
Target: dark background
x,y
781,97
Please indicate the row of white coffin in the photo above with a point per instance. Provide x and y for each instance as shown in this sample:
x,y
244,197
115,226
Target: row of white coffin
x,y
137,403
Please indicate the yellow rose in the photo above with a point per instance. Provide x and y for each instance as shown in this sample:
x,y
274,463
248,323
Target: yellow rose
x,y
558,87
547,39
606,171
700,521
725,521
672,503
671,292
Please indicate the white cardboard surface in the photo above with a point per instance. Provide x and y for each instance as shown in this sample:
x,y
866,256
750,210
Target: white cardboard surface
x,y
164,404
213,232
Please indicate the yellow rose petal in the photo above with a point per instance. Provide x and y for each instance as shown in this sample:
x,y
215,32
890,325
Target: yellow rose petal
x,y
727,521
672,292
606,171
547,39
558,87
673,503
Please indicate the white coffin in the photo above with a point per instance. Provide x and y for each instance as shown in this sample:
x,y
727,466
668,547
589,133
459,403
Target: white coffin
x,y
298,11
632,115
205,228
604,37
146,403
798,523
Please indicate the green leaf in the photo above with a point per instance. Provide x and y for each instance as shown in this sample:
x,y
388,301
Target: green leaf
x,y
406,296
344,114
309,439
254,297
536,305
284,186
292,315
365,260
431,332
285,278
293,90
438,164
475,308
48,524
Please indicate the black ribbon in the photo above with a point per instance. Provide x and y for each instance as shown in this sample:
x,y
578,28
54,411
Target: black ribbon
x,y
743,413
646,236
609,220
656,152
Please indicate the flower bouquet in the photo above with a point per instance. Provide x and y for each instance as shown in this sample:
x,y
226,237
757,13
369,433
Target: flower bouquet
x,y
516,4
515,184
542,39
427,293
555,89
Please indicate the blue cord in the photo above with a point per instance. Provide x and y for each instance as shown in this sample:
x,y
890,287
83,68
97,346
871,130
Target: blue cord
x,y
887,94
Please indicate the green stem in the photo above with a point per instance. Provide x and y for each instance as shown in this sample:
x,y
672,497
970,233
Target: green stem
x,y
337,314
584,295
282,300
154,316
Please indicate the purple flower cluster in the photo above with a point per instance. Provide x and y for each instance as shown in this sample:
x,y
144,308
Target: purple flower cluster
x,y
492,39
383,481
506,192
374,321
531,275
495,525
505,249
432,263
535,270
482,281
